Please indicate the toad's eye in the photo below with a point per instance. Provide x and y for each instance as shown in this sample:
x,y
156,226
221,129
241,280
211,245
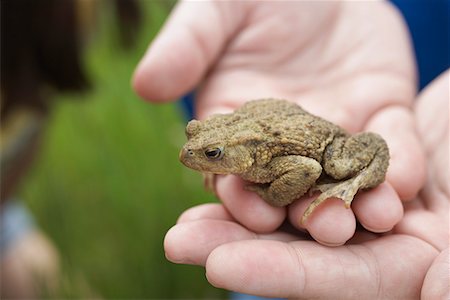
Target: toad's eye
x,y
214,153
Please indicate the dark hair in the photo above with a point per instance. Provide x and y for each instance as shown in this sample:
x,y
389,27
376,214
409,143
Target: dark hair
x,y
40,47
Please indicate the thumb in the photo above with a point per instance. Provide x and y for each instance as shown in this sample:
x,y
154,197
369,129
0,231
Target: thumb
x,y
189,43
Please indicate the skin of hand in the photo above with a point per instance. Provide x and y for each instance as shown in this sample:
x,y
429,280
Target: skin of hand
x,y
402,264
349,62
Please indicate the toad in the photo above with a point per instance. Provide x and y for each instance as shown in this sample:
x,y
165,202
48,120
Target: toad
x,y
283,152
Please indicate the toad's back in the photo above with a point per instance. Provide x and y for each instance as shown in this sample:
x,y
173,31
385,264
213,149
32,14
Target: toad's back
x,y
287,129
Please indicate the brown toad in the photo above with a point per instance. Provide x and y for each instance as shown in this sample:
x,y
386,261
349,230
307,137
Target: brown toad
x,y
284,152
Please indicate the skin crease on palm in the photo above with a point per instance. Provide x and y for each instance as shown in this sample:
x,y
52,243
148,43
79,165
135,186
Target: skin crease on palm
x,y
349,62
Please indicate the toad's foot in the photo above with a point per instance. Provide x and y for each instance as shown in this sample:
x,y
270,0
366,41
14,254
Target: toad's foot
x,y
323,187
345,190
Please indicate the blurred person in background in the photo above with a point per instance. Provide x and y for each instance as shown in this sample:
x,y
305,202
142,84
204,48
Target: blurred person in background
x,y
41,54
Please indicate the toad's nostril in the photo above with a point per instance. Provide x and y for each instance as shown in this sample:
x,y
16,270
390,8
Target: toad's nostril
x,y
190,152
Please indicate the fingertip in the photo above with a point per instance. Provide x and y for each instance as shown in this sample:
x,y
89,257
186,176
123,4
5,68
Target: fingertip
x,y
379,209
144,86
333,224
163,75
187,243
145,81
192,242
247,207
183,51
172,239
136,83
330,224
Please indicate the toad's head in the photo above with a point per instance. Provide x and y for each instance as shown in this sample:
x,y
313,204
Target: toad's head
x,y
215,147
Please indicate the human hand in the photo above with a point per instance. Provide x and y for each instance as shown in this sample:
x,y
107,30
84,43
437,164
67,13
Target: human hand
x,y
394,265
348,62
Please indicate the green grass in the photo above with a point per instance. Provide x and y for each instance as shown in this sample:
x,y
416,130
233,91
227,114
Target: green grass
x,y
108,185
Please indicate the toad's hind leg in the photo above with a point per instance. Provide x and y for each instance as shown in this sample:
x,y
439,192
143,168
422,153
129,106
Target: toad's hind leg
x,y
345,190
370,176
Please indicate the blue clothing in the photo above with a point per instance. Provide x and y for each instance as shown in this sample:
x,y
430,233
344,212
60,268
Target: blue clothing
x,y
15,222
238,296
428,22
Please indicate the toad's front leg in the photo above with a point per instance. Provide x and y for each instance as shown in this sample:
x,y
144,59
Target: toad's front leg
x,y
288,177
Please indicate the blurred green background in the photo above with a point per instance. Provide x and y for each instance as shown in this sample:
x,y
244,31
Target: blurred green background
x,y
108,185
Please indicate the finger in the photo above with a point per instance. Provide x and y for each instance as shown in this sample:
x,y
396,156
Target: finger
x,y
247,207
406,172
331,223
188,44
192,242
437,281
214,211
432,117
308,270
378,209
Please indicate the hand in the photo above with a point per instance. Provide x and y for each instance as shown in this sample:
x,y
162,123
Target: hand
x,y
371,266
348,62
